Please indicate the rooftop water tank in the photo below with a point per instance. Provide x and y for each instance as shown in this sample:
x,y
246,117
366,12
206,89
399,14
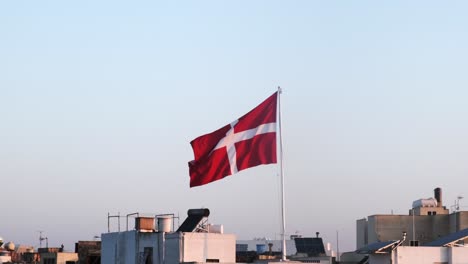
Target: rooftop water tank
x,y
144,224
216,229
164,224
261,248
10,246
429,202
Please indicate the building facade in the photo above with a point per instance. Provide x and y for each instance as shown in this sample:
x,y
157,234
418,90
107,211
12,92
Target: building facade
x,y
194,242
426,221
58,258
422,255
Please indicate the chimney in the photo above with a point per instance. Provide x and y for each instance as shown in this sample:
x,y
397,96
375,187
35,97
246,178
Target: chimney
x,y
317,234
438,196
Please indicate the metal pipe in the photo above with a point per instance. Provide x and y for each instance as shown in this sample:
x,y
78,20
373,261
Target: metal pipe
x,y
130,215
414,230
108,221
283,211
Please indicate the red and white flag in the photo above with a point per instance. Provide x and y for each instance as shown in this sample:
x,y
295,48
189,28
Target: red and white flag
x,y
247,142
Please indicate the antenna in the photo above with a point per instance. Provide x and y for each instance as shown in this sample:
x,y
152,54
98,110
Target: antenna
x,y
41,238
337,246
457,203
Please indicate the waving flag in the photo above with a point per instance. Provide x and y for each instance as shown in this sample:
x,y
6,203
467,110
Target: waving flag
x,y
247,142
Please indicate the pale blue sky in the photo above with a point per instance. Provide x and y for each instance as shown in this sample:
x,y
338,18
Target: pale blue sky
x,y
100,99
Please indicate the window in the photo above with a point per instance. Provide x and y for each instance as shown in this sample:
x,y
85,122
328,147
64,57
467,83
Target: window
x,y
148,255
49,260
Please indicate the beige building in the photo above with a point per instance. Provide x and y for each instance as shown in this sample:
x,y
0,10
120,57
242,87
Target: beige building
x,y
426,221
59,258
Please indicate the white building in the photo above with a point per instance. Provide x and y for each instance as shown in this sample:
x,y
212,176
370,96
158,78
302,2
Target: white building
x,y
448,250
422,255
194,241
5,256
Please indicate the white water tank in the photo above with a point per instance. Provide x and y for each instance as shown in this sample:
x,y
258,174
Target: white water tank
x,y
216,229
429,202
164,224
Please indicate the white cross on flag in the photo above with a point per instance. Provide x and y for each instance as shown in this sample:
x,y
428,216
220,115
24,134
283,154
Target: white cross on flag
x,y
247,142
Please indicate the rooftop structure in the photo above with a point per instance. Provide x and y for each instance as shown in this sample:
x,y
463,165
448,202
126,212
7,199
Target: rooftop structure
x,y
89,252
426,221
303,249
194,241
428,234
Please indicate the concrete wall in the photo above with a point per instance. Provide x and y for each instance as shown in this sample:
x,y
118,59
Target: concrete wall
x,y
371,230
431,210
149,240
202,246
390,227
386,227
198,247
361,234
63,257
59,258
453,220
458,221
463,222
458,255
4,259
422,255
108,247
427,227
128,247
173,248
118,248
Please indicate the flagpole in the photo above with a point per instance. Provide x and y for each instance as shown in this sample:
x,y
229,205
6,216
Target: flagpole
x,y
283,226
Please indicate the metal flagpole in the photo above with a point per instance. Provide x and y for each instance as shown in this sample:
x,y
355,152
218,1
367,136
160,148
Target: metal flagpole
x,y
283,228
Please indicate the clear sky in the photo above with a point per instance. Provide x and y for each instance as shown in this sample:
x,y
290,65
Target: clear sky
x,y
100,99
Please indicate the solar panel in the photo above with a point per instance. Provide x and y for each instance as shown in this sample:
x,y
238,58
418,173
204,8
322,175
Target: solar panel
x,y
449,240
310,245
195,216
